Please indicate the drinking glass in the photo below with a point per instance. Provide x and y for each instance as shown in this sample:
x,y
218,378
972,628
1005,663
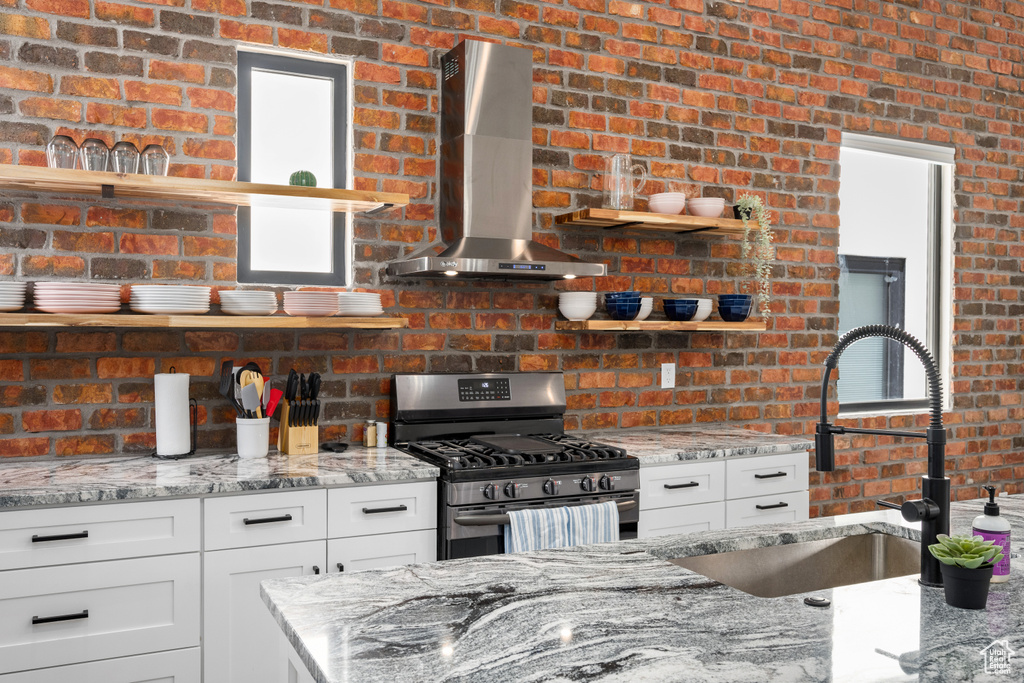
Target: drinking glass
x,y
124,158
155,160
94,154
622,180
61,152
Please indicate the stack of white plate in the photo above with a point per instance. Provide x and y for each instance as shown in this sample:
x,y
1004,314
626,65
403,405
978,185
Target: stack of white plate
x,y
170,299
577,305
359,304
240,302
77,297
12,296
312,304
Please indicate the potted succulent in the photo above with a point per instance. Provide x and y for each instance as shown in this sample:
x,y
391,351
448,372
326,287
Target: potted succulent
x,y
760,249
967,563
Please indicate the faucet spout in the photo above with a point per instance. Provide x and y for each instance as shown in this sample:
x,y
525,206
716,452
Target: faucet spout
x,y
933,510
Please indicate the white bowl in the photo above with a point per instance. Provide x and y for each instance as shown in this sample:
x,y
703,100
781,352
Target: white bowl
x,y
577,311
667,202
646,306
703,310
707,207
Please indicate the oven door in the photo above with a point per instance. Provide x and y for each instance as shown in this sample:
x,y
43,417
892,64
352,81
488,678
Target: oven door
x,y
475,530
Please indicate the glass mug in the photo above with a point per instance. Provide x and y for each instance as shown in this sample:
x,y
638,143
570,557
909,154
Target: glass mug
x,y
622,180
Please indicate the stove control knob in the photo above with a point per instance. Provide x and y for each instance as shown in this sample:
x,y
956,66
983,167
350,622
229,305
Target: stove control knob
x,y
551,487
606,483
490,491
588,484
512,489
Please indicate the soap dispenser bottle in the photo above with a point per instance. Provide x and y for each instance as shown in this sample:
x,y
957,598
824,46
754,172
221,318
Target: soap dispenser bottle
x,y
992,527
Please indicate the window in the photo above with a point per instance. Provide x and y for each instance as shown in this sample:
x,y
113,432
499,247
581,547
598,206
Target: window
x,y
895,236
292,115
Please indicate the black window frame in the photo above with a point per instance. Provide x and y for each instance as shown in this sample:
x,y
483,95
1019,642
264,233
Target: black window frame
x,y
339,72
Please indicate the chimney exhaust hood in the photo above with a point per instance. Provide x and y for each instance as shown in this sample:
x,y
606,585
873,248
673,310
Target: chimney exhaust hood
x,y
486,182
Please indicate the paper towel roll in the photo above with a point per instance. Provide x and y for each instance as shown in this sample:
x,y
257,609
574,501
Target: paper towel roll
x,y
172,424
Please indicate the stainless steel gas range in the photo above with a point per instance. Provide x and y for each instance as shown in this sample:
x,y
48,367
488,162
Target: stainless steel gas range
x,y
500,443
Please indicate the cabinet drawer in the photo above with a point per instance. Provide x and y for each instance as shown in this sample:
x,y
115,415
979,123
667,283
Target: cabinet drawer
x,y
385,550
385,509
783,507
265,519
765,474
685,519
179,666
88,533
683,484
98,610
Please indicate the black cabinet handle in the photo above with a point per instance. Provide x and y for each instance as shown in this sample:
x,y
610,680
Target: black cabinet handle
x,y
772,507
769,476
687,485
316,569
84,614
341,567
59,537
373,511
267,520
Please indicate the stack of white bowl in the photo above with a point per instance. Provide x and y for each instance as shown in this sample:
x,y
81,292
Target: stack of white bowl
x,y
77,297
170,299
667,202
357,304
577,305
311,304
646,306
703,310
12,296
707,207
248,302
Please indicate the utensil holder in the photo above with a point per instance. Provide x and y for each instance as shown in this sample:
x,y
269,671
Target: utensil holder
x,y
296,440
253,437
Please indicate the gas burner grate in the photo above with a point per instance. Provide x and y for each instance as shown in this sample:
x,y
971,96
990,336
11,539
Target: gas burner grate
x,y
463,454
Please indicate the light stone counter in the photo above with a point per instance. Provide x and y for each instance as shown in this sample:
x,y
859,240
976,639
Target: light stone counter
x,y
702,442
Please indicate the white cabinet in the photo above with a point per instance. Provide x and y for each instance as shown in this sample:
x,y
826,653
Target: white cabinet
x,y
714,494
242,641
264,519
176,666
381,509
385,550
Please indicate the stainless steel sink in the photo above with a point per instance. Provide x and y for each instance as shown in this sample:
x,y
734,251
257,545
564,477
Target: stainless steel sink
x,y
814,565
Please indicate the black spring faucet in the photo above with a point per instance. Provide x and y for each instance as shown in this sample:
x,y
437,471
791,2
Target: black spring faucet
x,y
933,508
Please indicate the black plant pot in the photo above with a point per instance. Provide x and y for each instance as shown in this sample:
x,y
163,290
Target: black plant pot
x,y
739,213
966,588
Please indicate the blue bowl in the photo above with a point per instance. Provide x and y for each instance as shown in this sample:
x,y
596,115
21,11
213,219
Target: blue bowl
x,y
624,310
611,296
733,298
734,313
679,309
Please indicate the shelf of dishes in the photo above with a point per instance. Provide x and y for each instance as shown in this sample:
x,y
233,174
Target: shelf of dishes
x,y
633,307
194,190
283,322
643,220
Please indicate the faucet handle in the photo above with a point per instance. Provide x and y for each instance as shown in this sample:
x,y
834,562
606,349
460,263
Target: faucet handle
x,y
920,510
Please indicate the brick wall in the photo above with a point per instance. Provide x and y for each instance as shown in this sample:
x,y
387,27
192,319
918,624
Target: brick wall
x,y
722,96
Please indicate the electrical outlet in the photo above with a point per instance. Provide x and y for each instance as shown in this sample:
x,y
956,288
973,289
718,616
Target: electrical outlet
x,y
668,375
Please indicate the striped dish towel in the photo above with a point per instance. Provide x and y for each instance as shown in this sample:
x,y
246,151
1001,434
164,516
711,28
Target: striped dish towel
x,y
562,527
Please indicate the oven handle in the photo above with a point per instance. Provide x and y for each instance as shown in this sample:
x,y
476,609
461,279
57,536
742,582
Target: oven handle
x,y
489,520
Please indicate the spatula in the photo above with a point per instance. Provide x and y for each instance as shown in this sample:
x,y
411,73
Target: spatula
x,y
227,389
251,399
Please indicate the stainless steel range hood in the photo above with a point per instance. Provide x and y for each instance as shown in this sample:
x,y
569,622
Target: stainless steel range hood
x,y
487,173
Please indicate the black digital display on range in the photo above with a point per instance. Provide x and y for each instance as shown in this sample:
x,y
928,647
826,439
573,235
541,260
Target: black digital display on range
x,y
485,389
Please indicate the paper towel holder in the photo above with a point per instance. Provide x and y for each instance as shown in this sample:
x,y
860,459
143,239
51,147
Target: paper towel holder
x,y
194,407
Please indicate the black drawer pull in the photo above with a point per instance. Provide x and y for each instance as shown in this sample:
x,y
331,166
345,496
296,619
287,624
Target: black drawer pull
x,y
769,476
267,520
59,537
341,567
687,485
373,511
84,614
772,507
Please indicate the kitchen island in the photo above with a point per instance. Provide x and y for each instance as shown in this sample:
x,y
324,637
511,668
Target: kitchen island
x,y
620,612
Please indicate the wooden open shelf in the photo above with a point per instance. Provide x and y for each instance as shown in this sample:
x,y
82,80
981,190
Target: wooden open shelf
x,y
642,220
660,326
138,186
277,322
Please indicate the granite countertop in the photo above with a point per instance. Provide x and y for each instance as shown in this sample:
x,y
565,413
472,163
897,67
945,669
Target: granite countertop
x,y
703,442
620,613
87,480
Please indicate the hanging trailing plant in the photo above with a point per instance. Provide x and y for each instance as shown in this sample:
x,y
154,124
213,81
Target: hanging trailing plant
x,y
760,249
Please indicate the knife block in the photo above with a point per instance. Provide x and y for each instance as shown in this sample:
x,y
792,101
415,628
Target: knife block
x,y
296,440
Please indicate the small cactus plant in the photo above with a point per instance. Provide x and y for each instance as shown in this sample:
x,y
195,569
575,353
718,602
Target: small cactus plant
x,y
969,552
304,178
